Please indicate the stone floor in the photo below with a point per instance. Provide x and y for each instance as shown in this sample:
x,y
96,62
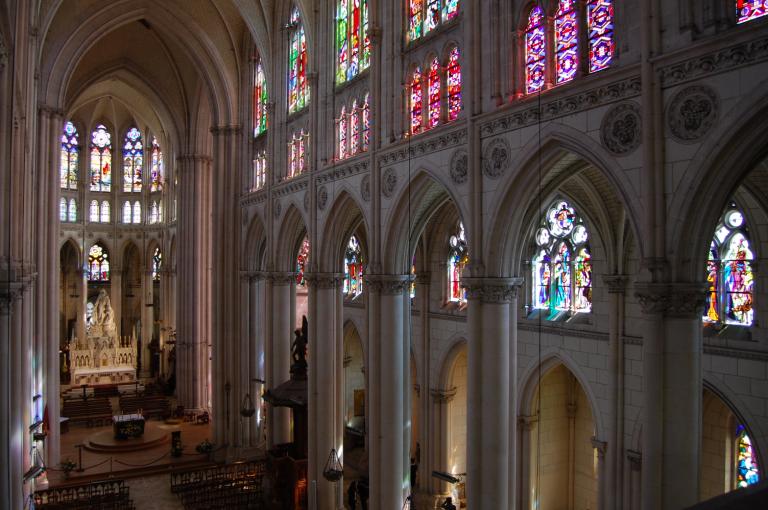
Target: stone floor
x,y
153,493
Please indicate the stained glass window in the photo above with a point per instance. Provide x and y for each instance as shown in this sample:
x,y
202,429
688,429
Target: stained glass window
x,y
453,82
416,101
157,172
600,26
535,51
458,257
412,291
127,212
259,100
63,209
729,272
366,141
298,90
433,85
98,264
133,159
750,9
431,16
105,212
562,266
747,472
342,138
70,155
415,20
72,210
566,40
353,268
101,154
93,215
157,263
297,156
450,9
301,262
354,129
154,213
352,40
259,171
137,212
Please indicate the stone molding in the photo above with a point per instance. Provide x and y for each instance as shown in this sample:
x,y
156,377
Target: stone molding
x,y
388,182
600,446
527,422
621,130
232,129
324,280
423,278
254,197
460,166
586,100
365,188
410,149
50,110
291,186
193,158
389,285
492,290
615,283
342,172
635,459
679,300
714,62
443,396
692,112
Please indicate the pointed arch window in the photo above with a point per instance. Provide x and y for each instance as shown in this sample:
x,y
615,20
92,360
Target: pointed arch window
x,y
562,266
133,160
433,91
105,212
137,212
354,129
747,472
747,10
566,40
730,273
415,19
601,43
68,210
72,213
353,44
366,114
70,156
431,16
342,137
93,215
458,258
63,209
101,159
298,90
157,169
260,100
415,102
453,82
297,157
353,268
301,262
535,51
154,213
259,178
127,212
98,264
157,264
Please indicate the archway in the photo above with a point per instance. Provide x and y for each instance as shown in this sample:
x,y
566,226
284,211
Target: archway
x,y
355,428
70,304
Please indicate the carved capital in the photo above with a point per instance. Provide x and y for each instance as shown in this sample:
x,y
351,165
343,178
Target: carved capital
x,y
527,422
616,283
423,277
389,284
324,280
233,129
281,277
680,300
600,446
191,159
441,396
635,459
492,290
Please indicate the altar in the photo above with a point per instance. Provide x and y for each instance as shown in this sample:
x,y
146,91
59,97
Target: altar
x,y
128,426
103,357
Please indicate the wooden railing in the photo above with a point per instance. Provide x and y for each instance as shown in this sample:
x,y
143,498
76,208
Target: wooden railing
x,y
102,495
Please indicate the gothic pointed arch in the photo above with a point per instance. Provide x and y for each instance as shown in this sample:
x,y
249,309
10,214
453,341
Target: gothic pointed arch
x,y
345,218
292,230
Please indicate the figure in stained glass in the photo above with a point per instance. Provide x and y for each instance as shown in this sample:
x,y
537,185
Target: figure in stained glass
x,y
156,171
70,155
453,82
298,90
301,262
458,258
433,91
747,472
101,155
157,263
98,264
353,268
416,101
260,100
133,159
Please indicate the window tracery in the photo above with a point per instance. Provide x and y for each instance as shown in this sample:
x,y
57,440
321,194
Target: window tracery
x,y
70,156
747,472
157,264
562,266
353,269
729,272
133,160
101,154
535,51
157,168
747,10
566,40
297,157
259,177
301,262
353,43
260,100
458,258
98,264
298,89
425,16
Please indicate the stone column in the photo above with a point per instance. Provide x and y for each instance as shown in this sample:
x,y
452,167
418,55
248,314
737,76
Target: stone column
x,y
6,402
390,434
439,438
428,418
527,426
616,285
632,494
672,379
280,353
326,415
81,303
257,353
602,479
147,321
116,293
488,451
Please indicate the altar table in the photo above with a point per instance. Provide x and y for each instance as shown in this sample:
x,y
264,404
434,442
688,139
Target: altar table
x,y
128,426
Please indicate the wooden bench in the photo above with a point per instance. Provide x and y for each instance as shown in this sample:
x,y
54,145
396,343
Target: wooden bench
x,y
93,411
149,405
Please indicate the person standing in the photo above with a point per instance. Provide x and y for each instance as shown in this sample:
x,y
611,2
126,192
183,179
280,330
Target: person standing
x,y
352,495
448,504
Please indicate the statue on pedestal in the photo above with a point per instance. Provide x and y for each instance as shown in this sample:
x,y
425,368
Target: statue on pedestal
x,y
102,322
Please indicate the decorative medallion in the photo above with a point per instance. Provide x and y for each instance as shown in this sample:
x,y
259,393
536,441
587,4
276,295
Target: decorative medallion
x,y
322,197
692,112
621,129
306,201
277,209
496,158
388,182
365,188
460,166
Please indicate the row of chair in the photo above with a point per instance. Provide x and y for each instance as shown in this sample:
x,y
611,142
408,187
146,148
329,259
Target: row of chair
x,y
93,411
101,495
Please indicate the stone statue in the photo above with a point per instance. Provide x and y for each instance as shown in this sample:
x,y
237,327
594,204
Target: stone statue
x,y
102,321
